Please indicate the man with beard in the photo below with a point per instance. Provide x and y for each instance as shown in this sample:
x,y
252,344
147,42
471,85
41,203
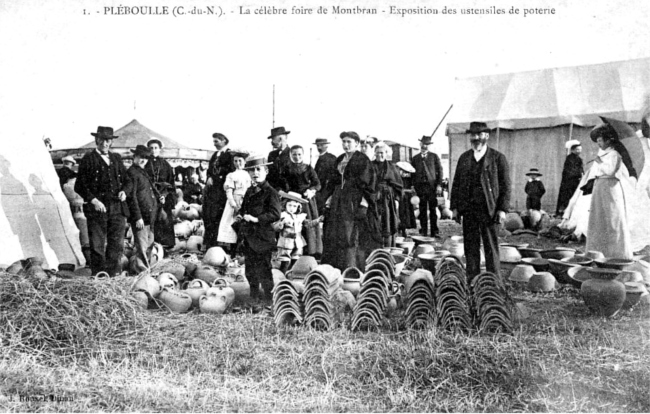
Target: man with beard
x,y
103,183
161,174
214,198
325,169
480,196
279,158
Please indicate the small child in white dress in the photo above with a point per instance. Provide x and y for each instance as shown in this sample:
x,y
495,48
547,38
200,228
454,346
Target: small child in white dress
x,y
291,241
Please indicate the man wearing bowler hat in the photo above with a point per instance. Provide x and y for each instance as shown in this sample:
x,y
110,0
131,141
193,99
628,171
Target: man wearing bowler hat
x,y
480,198
214,197
103,184
279,158
325,169
427,181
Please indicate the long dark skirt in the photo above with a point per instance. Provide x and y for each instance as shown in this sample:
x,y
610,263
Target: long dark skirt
x,y
163,229
313,235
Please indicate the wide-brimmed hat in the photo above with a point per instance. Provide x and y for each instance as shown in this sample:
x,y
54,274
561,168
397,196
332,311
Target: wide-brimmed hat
x,y
477,127
68,158
256,162
425,140
369,140
534,171
603,130
155,141
350,134
278,131
321,141
572,143
141,151
240,154
293,196
104,132
405,166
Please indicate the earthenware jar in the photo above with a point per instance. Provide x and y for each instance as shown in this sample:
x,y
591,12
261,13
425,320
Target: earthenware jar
x,y
141,298
194,244
558,253
183,230
602,293
206,273
423,249
629,276
212,304
167,280
241,286
633,293
593,254
148,283
407,246
195,289
215,256
455,246
542,282
220,288
577,275
352,280
521,273
175,300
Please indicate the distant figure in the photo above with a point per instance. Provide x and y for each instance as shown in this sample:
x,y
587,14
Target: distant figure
x,y
534,190
161,174
571,176
406,210
214,196
325,170
279,158
237,182
427,180
367,146
66,173
389,193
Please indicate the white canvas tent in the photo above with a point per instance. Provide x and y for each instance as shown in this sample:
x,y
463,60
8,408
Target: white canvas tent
x,y
35,217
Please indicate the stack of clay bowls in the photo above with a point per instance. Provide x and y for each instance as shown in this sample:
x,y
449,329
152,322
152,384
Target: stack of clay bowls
x,y
374,291
491,305
577,275
509,257
287,304
321,285
407,246
452,296
420,299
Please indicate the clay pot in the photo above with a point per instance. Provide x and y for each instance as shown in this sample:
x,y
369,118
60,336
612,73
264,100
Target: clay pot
x,y
199,227
541,282
400,262
175,300
183,230
396,250
633,293
430,260
198,208
423,249
521,273
352,280
215,256
513,222
577,275
33,268
15,267
206,273
558,253
179,245
407,246
141,298
167,280
540,265
643,268
220,288
614,263
195,289
629,276
509,254
213,304
241,287
194,244
559,269
593,254
148,283
579,260
418,240
602,293
529,252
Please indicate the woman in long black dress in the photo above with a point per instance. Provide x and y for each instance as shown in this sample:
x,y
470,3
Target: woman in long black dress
x,y
571,176
389,191
162,176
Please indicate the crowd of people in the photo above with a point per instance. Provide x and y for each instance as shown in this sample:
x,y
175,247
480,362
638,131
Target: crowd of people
x,y
338,211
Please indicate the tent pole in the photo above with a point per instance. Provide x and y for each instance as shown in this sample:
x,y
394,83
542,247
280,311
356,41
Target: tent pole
x,y
570,131
498,130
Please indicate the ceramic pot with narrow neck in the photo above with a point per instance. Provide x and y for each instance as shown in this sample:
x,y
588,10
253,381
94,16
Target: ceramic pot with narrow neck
x,y
602,294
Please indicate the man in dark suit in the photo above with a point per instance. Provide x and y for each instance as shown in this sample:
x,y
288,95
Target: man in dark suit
x,y
143,206
279,158
427,181
325,170
480,195
214,198
103,183
260,209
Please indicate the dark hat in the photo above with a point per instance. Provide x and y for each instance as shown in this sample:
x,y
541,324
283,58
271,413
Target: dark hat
x,y
104,133
240,154
321,141
426,140
278,131
293,196
350,134
256,162
155,141
221,136
141,151
603,130
477,127
534,171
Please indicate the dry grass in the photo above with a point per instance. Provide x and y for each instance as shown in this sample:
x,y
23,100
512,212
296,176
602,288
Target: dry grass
x,y
88,341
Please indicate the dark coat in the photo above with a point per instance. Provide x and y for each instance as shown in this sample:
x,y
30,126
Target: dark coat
x,y
325,168
432,163
143,198
263,203
160,171
535,190
495,181
97,180
277,171
65,174
571,176
389,189
214,198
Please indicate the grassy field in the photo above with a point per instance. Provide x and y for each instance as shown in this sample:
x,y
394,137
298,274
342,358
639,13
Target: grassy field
x,y
92,349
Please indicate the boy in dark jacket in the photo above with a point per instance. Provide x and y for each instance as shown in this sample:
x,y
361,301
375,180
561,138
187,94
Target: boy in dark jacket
x,y
260,209
143,204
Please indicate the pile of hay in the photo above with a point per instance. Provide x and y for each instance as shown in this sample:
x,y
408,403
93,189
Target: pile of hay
x,y
67,317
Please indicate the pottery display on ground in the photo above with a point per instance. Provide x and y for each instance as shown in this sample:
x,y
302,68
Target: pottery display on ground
x,y
614,263
577,275
557,253
195,289
633,293
213,304
407,246
215,256
175,300
509,254
593,254
542,282
423,249
206,273
540,265
148,283
559,269
352,280
521,273
629,276
602,294
529,252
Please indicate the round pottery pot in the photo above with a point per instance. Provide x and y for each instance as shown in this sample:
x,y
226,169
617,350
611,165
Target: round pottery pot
x,y
593,254
614,263
399,239
241,287
558,253
407,247
430,260
642,267
194,244
215,256
579,260
198,208
541,282
629,276
196,290
559,269
15,267
516,245
602,294
509,254
400,262
148,283
507,268
540,265
577,275
352,285
212,304
220,288
529,252
423,240
633,293
521,273
183,230
423,249
206,273
167,280
175,300
141,298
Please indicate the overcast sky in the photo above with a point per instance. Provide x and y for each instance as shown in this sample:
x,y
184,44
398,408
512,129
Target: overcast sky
x,y
63,73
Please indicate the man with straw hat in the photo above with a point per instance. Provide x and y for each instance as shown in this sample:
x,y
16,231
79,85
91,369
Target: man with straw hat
x,y
260,209
480,198
325,170
427,181
103,183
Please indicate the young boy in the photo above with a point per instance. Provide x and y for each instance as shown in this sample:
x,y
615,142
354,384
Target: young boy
x,y
143,204
260,208
534,190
